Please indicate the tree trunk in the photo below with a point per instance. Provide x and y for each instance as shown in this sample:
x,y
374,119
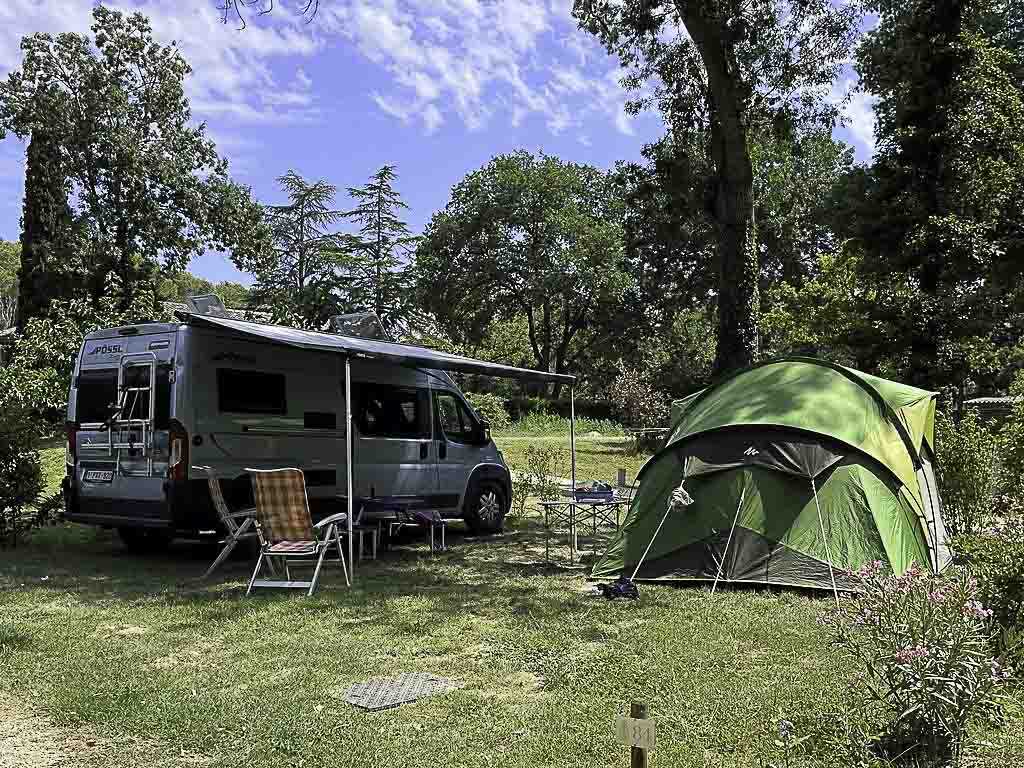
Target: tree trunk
x,y
738,300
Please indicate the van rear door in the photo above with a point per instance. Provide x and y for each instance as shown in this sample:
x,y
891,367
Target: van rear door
x,y
120,409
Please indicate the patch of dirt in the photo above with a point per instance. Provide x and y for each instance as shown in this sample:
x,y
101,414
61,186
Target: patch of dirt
x,y
31,740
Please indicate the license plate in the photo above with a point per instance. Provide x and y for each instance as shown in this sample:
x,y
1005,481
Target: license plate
x,y
98,476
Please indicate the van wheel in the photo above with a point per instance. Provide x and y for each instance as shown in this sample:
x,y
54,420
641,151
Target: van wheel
x,y
485,507
144,540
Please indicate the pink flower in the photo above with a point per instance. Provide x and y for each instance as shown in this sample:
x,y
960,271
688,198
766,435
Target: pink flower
x,y
908,655
974,609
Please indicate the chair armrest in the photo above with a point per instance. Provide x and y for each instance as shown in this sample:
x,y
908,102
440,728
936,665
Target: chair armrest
x,y
336,518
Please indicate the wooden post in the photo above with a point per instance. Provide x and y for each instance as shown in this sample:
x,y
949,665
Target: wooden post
x,y
638,755
621,479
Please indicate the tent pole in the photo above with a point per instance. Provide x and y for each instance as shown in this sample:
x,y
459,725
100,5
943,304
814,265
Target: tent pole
x,y
824,540
728,541
572,436
349,461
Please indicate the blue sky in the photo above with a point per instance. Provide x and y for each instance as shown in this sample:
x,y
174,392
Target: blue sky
x,y
435,87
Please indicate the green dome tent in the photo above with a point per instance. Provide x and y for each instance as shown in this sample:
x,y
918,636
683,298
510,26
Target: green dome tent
x,y
800,472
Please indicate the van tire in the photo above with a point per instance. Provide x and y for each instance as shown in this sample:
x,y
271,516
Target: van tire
x,y
485,507
144,540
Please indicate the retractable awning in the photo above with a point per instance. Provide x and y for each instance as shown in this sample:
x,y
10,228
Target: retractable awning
x,y
372,349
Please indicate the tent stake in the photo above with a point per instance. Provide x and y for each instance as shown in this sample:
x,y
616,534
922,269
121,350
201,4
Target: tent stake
x,y
824,540
349,460
728,541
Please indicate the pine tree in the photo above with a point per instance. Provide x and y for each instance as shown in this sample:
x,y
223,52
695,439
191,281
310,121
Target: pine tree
x,y
46,272
379,251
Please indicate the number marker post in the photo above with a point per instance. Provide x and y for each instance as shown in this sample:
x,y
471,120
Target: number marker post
x,y
636,732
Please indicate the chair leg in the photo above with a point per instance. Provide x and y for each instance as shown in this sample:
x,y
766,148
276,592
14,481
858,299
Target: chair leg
x,y
256,570
229,545
341,555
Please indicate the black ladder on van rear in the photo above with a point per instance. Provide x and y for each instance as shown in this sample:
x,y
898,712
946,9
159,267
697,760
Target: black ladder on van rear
x,y
133,413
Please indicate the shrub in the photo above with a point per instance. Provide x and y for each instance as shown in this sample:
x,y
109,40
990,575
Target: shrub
x,y
996,558
21,473
1011,450
639,404
538,478
964,464
925,646
491,409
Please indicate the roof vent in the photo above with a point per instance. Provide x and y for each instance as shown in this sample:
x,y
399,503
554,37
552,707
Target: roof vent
x,y
206,304
362,325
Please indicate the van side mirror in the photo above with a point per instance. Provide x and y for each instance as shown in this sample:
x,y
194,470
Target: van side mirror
x,y
485,432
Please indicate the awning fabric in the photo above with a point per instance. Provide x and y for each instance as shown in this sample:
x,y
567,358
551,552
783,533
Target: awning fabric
x,y
372,349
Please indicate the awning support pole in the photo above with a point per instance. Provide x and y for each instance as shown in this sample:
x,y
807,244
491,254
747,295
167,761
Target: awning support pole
x,y
824,540
349,461
572,437
728,541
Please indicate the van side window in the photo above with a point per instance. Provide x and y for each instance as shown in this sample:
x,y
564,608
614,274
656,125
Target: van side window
x,y
251,392
384,411
455,419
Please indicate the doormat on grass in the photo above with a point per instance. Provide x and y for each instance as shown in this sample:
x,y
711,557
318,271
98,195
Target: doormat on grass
x,y
386,692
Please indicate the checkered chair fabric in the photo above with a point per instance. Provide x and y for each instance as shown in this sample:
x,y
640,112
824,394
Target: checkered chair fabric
x,y
281,506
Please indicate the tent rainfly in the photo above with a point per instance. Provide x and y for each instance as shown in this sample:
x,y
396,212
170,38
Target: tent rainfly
x,y
350,347
801,472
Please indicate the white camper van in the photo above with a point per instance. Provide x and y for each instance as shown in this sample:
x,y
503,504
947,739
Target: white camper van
x,y
150,401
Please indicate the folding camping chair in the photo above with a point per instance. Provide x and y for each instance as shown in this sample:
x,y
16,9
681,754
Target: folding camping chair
x,y
230,520
286,530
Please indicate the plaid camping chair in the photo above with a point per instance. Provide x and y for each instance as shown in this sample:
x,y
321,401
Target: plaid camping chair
x,y
238,525
286,530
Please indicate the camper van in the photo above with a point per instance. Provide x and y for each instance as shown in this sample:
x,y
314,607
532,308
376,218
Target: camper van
x,y
150,402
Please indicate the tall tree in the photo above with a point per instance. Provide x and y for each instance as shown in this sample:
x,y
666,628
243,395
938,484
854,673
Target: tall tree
x,y
532,237
178,285
729,70
380,250
47,269
298,279
943,205
148,185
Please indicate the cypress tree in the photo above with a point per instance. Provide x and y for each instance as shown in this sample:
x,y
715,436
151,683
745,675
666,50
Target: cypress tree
x,y
45,272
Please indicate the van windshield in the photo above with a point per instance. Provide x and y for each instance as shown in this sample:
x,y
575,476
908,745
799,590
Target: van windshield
x,y
97,392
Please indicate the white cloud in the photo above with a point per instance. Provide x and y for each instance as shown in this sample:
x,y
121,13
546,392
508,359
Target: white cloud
x,y
857,113
504,59
231,72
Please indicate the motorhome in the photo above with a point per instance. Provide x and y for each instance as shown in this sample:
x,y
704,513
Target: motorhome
x,y
150,402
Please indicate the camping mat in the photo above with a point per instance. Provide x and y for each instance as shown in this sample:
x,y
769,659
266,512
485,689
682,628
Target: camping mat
x,y
386,692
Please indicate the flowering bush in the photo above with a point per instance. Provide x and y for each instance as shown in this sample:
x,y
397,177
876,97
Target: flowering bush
x,y
925,645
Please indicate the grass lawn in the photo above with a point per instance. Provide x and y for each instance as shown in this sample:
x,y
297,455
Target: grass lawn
x,y
115,659
597,458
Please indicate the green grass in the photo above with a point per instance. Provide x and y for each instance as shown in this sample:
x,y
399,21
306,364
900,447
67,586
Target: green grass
x,y
135,650
597,458
552,425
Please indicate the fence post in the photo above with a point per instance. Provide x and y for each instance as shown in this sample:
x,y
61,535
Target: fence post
x,y
621,477
638,755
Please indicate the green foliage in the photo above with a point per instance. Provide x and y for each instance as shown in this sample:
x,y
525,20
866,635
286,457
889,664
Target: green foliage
x,y
178,285
21,475
47,269
546,423
377,278
147,185
942,205
39,375
491,409
1011,446
923,644
965,471
298,279
528,237
996,558
10,258
728,77
538,476
639,404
